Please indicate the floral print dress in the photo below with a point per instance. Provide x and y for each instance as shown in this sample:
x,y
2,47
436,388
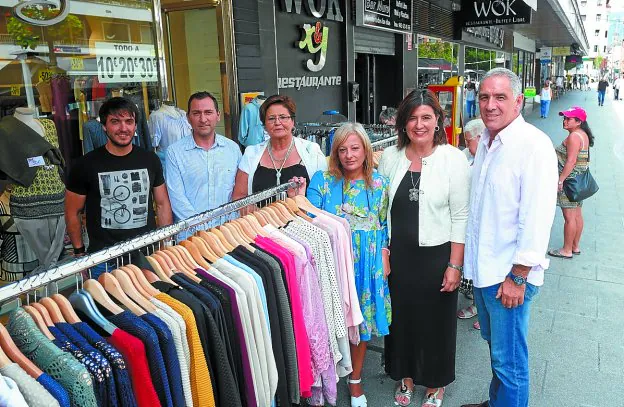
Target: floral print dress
x,y
366,211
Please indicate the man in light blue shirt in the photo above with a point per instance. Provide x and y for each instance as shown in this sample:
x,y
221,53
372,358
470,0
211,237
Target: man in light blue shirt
x,y
201,168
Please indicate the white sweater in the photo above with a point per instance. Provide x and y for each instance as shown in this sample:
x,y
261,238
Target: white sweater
x,y
445,186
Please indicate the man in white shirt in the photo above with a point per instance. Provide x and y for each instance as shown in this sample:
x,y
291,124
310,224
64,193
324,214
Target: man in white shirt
x,y
512,207
617,85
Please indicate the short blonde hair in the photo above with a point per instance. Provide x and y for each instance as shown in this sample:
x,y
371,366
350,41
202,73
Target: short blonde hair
x,y
340,136
475,128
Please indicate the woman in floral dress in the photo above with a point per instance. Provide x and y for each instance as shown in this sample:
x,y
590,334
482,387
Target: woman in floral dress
x,y
352,189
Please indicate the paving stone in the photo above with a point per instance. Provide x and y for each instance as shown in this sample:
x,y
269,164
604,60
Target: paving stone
x,y
562,301
607,332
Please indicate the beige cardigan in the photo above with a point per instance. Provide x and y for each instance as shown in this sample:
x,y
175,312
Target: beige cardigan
x,y
445,192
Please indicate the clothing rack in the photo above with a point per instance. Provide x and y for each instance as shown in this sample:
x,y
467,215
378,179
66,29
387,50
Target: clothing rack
x,y
322,133
381,144
77,265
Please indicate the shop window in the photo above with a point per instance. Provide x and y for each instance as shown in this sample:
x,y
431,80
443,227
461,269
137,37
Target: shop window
x,y
118,32
437,60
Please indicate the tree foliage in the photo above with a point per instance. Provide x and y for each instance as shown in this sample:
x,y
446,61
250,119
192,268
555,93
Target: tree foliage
x,y
437,49
24,35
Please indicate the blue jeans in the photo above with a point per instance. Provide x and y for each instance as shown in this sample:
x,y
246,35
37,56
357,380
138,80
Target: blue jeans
x,y
601,96
506,331
545,107
102,268
470,108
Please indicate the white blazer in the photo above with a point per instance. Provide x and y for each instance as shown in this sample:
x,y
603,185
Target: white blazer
x,y
311,156
445,192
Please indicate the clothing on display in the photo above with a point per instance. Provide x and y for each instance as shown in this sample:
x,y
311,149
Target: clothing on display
x,y
167,125
255,312
250,129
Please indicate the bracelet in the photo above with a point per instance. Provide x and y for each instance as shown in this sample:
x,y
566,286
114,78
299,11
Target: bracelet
x,y
80,250
456,267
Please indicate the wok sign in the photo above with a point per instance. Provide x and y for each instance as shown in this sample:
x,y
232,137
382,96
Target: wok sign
x,y
477,13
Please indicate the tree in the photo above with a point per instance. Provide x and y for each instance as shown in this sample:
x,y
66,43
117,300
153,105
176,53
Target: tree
x,y
24,36
438,49
598,62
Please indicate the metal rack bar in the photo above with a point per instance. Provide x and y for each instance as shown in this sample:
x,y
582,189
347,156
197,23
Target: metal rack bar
x,y
381,144
82,263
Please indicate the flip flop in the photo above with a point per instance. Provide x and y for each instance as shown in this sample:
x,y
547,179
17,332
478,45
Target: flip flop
x,y
467,312
576,253
557,253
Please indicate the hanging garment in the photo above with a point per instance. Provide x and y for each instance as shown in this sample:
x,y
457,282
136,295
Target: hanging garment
x,y
16,258
250,128
62,366
34,393
10,395
55,389
167,125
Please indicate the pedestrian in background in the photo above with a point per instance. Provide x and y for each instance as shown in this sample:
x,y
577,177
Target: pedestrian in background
x,y
512,208
353,190
426,221
602,90
388,116
573,157
470,93
617,85
545,98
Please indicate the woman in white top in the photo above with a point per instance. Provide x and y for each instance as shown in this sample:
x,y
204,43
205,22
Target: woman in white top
x,y
280,158
429,184
545,98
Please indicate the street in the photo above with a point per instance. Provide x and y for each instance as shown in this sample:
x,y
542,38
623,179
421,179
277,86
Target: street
x,y
576,340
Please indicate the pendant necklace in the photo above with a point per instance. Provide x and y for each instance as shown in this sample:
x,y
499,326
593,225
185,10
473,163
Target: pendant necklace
x,y
278,173
414,192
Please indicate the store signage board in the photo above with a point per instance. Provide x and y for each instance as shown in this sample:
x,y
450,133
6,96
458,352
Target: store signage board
x,y
329,9
560,51
478,13
387,15
530,92
545,54
125,63
21,11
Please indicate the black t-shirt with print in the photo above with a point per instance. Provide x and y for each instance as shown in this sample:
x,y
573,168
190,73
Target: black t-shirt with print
x,y
119,202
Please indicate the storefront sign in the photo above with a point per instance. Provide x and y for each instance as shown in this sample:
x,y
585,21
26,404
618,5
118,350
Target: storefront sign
x,y
125,63
314,40
493,35
560,51
530,92
315,8
545,54
45,75
308,82
388,15
37,12
475,13
77,64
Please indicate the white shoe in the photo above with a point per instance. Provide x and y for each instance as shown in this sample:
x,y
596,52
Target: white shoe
x,y
359,401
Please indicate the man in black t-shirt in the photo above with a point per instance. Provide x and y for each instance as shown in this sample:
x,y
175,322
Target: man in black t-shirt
x,y
117,183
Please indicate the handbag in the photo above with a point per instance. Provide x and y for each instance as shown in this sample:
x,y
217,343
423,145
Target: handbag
x,y
580,187
465,286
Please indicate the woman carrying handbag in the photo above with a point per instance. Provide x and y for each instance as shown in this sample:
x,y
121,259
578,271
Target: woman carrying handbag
x,y
573,157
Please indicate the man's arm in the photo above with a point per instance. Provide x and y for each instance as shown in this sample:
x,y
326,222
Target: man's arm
x,y
163,207
74,204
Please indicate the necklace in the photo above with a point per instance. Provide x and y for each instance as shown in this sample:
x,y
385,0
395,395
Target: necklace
x,y
414,192
278,173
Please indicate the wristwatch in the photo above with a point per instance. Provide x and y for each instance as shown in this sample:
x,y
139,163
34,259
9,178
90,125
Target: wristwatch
x,y
518,280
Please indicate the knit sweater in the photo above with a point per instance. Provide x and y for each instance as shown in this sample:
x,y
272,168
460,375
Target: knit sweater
x,y
45,197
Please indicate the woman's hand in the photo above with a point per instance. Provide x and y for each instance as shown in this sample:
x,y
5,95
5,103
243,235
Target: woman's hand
x,y
451,280
560,186
385,260
301,190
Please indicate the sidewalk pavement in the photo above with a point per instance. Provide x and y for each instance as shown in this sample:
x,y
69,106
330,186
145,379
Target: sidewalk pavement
x,y
576,340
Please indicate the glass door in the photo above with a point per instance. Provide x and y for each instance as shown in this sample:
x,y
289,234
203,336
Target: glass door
x,y
195,57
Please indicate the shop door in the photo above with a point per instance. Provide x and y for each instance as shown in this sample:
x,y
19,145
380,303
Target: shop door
x,y
379,87
194,57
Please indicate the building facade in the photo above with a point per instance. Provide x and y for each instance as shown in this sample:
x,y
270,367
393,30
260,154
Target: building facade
x,y
595,15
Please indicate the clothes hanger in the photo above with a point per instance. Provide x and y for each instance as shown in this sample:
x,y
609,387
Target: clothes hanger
x,y
143,282
202,246
246,227
43,312
166,263
213,243
176,258
168,258
271,216
65,307
158,271
279,212
304,204
256,226
150,276
112,287
195,252
284,210
52,309
12,351
82,301
36,316
186,256
132,291
242,232
137,286
234,239
260,218
99,295
222,239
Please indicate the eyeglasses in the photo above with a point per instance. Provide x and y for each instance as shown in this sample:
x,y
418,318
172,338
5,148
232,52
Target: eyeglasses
x,y
281,119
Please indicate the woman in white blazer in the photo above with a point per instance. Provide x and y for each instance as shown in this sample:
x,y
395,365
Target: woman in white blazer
x,y
429,193
280,158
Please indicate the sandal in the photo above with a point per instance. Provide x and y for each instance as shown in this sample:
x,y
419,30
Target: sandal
x,y
557,253
359,401
432,400
576,252
403,395
476,325
467,312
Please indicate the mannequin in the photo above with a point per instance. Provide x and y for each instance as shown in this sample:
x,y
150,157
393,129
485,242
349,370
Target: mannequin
x,y
167,125
38,210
